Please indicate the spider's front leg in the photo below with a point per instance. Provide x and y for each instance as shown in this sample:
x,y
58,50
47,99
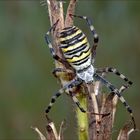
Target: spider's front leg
x,y
67,88
53,99
54,55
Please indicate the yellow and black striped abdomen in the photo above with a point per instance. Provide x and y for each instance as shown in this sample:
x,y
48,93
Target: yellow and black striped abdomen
x,y
75,47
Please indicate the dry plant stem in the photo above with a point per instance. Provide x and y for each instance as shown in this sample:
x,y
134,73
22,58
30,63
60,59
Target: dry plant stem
x,y
70,10
60,136
115,101
102,129
125,132
92,121
52,126
94,100
106,123
41,136
52,132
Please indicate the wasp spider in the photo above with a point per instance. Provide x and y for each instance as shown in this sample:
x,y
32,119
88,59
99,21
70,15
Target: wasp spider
x,y
80,56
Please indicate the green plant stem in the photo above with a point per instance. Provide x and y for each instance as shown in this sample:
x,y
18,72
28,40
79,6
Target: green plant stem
x,y
82,119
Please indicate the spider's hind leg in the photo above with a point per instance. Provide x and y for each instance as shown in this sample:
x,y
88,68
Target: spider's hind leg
x,y
114,91
74,98
116,72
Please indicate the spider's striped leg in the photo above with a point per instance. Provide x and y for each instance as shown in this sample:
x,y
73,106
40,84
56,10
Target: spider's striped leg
x,y
114,90
74,98
53,99
58,71
77,102
62,90
116,72
55,56
68,88
95,35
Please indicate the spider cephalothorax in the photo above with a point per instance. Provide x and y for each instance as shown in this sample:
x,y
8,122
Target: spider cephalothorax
x,y
80,56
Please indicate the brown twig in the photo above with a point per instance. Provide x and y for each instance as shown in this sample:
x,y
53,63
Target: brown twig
x,y
41,136
125,131
70,10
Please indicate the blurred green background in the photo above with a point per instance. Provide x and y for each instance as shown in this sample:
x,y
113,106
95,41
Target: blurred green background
x,y
26,82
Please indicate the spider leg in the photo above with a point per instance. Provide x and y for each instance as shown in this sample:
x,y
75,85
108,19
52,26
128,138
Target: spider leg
x,y
77,102
53,99
55,56
72,84
116,72
58,71
95,35
74,98
68,88
114,90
